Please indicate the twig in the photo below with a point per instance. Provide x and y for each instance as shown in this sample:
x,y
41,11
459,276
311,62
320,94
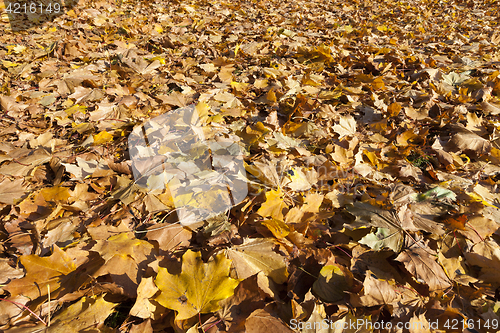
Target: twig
x,y
48,319
25,307
209,327
341,249
470,226
162,227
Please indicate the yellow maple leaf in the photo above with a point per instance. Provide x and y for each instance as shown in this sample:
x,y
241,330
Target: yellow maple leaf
x,y
42,271
279,228
75,108
83,315
273,206
239,86
158,28
56,193
382,28
8,64
102,137
198,288
256,255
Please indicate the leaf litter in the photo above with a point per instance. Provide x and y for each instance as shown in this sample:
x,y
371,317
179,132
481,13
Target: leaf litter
x,y
370,136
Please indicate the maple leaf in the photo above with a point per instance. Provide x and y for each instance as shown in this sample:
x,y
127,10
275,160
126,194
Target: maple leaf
x,y
42,271
143,307
382,100
102,138
125,258
273,206
257,255
346,126
332,283
377,292
198,288
11,191
22,166
261,321
486,255
389,234
423,266
83,316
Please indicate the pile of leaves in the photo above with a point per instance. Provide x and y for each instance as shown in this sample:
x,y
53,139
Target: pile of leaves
x,y
371,134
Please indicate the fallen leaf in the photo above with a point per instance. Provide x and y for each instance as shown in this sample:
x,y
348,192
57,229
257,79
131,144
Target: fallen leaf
x,y
257,255
40,273
11,191
273,206
424,268
262,321
331,284
83,316
376,292
198,288
346,126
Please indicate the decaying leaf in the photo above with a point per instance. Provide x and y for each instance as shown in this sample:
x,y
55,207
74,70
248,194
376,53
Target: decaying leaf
x,y
424,268
261,321
377,292
365,188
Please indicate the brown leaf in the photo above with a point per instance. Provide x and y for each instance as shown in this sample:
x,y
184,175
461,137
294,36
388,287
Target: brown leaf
x,y
424,268
236,309
375,292
126,258
82,316
22,166
170,237
11,191
175,98
262,321
257,255
143,307
8,272
486,255
466,140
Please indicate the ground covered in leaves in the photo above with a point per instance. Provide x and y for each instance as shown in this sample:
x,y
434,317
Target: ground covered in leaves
x,y
371,136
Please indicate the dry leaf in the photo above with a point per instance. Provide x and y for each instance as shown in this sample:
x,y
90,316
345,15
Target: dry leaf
x,y
198,288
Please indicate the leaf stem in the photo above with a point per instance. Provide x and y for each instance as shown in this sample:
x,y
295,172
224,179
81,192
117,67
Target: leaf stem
x,y
25,307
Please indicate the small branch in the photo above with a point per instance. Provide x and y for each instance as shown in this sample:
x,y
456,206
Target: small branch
x,y
48,319
25,307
